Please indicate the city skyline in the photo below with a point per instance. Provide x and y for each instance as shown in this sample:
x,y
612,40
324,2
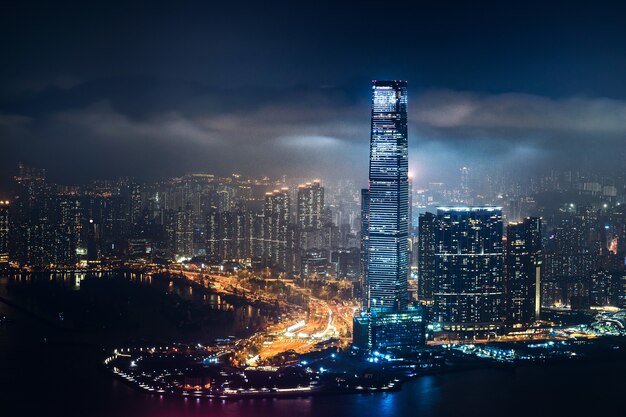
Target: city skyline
x,y
312,209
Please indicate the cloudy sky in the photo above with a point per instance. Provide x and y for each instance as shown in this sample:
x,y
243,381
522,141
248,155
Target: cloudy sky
x,y
91,90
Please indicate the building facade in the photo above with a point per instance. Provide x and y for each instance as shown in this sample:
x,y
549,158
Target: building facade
x,y
310,208
469,289
523,272
4,233
276,221
387,255
426,256
386,321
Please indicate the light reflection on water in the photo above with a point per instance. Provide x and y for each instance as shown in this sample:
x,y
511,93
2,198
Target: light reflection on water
x,y
65,379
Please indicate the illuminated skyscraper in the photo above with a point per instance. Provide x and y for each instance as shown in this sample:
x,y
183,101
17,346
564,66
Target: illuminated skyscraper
x,y
184,232
387,259
426,255
135,202
386,321
410,204
309,221
68,240
523,271
276,220
468,285
213,233
240,232
226,235
310,205
4,233
365,225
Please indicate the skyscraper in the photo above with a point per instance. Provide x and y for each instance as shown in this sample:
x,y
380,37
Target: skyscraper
x,y
276,220
68,230
226,235
387,260
240,232
386,321
135,202
426,256
523,271
365,225
4,233
309,221
212,233
410,204
184,232
468,286
310,205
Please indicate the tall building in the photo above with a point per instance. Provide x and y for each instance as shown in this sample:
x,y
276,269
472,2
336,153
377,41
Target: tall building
x,y
387,259
256,234
571,256
310,207
411,225
308,228
4,233
226,235
386,321
276,220
427,235
240,233
31,238
523,271
183,227
365,224
135,202
212,233
469,270
68,234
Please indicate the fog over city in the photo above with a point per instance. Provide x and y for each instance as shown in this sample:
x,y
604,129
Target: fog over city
x,y
312,208
163,99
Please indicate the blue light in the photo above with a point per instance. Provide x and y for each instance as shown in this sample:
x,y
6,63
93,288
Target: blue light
x,y
387,270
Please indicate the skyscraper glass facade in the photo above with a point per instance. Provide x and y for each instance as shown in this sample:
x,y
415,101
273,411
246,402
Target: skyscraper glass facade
x,y
387,259
523,271
386,321
469,270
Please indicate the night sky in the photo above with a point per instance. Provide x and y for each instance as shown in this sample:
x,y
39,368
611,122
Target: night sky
x,y
103,90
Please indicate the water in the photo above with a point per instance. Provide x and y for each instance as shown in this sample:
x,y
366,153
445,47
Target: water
x,y
62,376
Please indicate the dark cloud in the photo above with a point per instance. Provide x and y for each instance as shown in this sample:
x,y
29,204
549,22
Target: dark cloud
x,y
313,132
99,89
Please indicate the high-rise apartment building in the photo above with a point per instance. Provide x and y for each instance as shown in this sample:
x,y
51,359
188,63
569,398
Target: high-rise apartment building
x,y
4,233
212,233
468,286
276,220
523,272
426,256
310,209
365,225
183,227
